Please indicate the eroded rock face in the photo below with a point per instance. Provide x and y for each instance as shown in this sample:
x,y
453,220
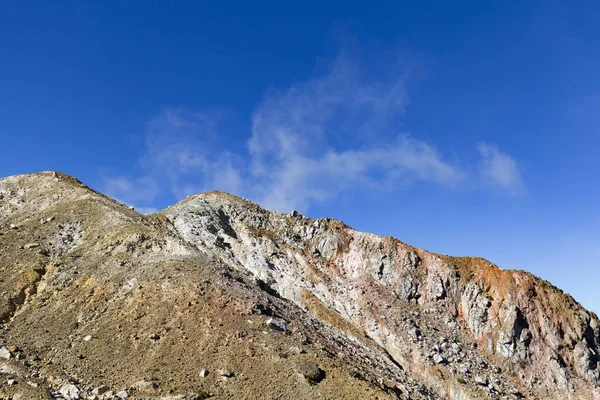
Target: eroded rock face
x,y
395,293
475,307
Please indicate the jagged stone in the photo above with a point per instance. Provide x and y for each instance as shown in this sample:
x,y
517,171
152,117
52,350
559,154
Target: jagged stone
x,y
5,353
276,324
69,391
100,390
438,358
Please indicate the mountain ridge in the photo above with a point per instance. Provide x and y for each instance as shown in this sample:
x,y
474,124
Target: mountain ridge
x,y
444,327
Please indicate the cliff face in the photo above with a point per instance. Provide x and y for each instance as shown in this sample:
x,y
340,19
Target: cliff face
x,y
215,295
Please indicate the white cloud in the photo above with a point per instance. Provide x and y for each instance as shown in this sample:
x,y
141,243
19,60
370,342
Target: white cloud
x,y
336,132
146,210
130,191
307,144
499,169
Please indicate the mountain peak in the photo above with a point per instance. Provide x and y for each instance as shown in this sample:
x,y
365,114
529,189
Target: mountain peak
x,y
217,296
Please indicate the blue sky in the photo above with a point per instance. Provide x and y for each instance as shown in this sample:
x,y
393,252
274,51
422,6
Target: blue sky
x,y
467,128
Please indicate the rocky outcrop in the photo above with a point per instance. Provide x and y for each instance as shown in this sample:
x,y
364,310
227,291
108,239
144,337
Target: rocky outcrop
x,y
406,299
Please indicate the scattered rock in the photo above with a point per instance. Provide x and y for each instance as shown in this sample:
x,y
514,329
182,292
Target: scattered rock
x,y
5,353
277,324
311,371
87,338
438,358
226,373
145,386
122,394
481,380
204,373
69,391
100,390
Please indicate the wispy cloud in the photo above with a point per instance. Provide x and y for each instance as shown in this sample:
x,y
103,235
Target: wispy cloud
x,y
332,133
499,169
308,143
131,190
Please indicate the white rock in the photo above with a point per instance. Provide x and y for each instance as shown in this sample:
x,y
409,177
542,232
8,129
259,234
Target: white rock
x,y
145,385
122,394
87,338
5,353
69,391
438,359
226,373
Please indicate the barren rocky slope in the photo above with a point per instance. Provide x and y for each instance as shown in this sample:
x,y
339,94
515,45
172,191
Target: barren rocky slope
x,y
215,296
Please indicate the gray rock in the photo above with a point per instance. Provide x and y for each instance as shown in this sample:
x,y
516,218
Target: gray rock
x,y
437,290
122,394
276,324
481,380
475,304
411,261
226,373
407,289
438,358
311,371
32,245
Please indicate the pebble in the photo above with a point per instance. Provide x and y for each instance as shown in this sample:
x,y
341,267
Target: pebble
x,y
5,353
226,373
481,380
145,385
438,359
100,390
87,338
122,394
32,245
204,373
